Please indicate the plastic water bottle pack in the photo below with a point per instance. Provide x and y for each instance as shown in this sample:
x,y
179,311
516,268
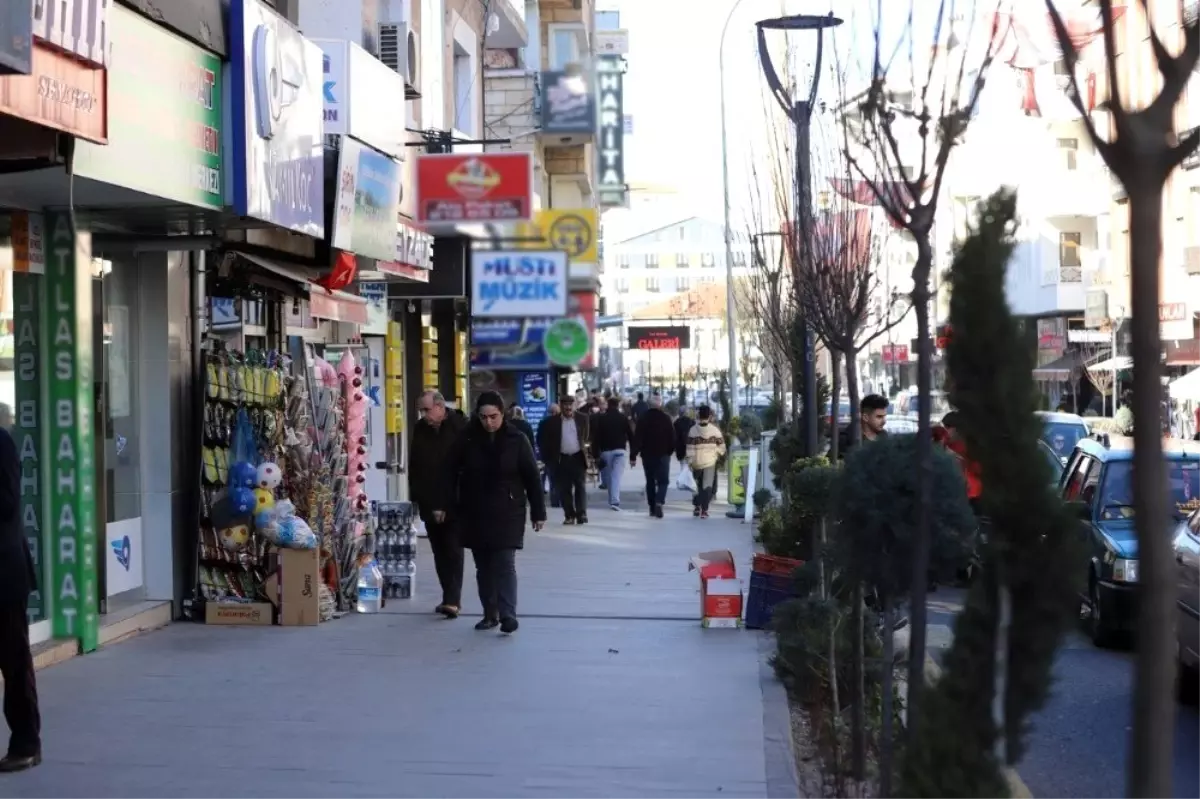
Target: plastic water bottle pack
x,y
396,547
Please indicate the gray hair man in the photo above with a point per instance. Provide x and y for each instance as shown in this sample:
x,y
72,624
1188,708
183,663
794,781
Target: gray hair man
x,y
433,439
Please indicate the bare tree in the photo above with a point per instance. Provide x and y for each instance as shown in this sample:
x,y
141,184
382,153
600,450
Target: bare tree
x,y
1142,149
937,96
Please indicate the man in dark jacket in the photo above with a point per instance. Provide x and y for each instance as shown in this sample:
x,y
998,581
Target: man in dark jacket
x,y
516,417
564,449
18,579
432,439
611,434
551,478
872,418
640,407
654,441
683,424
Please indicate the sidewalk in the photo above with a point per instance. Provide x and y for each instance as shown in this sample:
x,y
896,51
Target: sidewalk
x,y
610,688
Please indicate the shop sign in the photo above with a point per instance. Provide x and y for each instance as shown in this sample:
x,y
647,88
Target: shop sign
x,y
479,187
277,158
28,242
571,230
534,388
16,37
27,426
611,43
1095,308
895,353
164,131
676,337
567,342
507,344
518,284
610,158
1052,334
78,27
367,202
60,93
375,295
568,104
70,460
1174,321
337,307
363,98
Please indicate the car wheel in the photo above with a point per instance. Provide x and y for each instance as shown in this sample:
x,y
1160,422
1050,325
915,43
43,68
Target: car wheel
x,y
1101,630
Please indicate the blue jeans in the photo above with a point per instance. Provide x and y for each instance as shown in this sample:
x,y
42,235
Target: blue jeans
x,y
612,466
658,476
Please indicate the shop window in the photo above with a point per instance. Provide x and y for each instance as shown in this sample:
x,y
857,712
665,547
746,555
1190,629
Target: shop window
x,y
118,304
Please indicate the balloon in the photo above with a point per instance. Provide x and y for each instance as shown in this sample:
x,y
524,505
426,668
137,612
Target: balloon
x,y
263,500
269,476
241,500
242,474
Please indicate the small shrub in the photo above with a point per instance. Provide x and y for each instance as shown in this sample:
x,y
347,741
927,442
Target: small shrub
x,y
750,427
763,498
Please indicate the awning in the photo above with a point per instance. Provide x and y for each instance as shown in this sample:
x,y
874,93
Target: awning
x,y
1119,363
335,306
1059,369
294,273
1186,387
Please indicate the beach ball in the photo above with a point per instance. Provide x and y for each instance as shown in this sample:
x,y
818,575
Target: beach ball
x,y
269,476
235,538
241,500
242,474
263,500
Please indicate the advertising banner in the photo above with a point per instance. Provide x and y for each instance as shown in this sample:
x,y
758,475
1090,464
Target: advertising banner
x,y
16,37
59,92
377,308
533,395
895,353
574,231
164,131
568,103
70,471
518,284
368,202
276,94
610,158
360,97
27,422
660,338
512,344
480,187
739,468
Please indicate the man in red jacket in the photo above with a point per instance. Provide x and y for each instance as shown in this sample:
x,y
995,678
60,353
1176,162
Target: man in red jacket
x,y
955,444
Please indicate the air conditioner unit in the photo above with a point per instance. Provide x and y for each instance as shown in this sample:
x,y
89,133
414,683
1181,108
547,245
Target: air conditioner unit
x,y
398,49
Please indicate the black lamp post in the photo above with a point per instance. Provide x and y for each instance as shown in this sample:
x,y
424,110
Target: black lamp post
x,y
800,112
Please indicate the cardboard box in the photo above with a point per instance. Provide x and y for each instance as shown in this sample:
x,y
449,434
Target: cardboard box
x,y
299,587
720,590
242,613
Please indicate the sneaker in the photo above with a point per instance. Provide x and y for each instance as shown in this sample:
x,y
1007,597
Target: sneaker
x,y
509,625
696,512
569,520
447,610
615,506
703,514
487,623
658,511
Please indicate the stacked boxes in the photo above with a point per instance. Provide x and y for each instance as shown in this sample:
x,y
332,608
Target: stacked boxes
x,y
720,589
396,547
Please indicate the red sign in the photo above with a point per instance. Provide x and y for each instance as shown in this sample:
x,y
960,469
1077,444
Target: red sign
x,y
660,338
1172,311
479,187
895,353
60,93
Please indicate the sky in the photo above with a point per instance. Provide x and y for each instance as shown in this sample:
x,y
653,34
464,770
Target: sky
x,y
673,88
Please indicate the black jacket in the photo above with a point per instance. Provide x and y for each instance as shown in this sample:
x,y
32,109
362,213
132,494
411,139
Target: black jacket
x,y
551,436
18,578
494,480
610,430
526,429
682,425
639,409
846,442
426,461
654,436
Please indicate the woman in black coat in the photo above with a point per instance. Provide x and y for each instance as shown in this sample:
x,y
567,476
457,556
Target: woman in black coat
x,y
493,480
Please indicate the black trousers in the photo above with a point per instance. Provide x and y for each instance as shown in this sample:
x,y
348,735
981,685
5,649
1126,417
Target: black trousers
x,y
496,573
448,559
20,685
658,476
572,484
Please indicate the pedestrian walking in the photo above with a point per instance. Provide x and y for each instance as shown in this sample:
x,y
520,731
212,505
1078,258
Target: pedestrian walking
x,y
611,435
18,579
493,487
433,438
640,407
872,419
564,450
543,428
654,442
516,417
705,446
683,423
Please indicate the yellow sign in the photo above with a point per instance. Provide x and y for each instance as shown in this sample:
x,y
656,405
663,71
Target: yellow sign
x,y
393,376
574,231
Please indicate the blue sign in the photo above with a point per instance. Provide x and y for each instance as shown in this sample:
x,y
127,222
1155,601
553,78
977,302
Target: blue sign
x,y
509,344
16,37
516,284
534,396
277,102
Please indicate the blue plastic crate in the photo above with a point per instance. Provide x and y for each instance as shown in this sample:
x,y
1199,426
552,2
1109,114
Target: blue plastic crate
x,y
766,591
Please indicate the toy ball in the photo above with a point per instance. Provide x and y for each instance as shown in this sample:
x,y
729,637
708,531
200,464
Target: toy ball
x,y
241,500
269,476
242,474
263,500
235,538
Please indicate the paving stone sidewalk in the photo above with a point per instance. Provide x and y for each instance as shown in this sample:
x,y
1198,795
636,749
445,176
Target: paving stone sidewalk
x,y
610,688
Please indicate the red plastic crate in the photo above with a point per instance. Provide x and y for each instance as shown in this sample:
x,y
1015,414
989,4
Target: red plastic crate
x,y
773,564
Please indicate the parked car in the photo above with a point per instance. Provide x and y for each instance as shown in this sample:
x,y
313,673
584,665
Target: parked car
x,y
1062,431
1098,483
1053,461
1187,624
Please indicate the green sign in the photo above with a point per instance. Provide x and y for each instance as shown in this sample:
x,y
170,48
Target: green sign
x,y
70,454
27,427
567,342
164,116
739,464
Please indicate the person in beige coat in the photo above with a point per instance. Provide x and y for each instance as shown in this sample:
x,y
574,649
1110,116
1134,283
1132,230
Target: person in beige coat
x,y
705,447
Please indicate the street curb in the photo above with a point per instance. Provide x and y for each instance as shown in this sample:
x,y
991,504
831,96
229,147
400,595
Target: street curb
x,y
779,750
1016,786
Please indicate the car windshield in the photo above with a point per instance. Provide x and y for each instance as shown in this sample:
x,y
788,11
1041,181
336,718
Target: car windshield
x,y
1063,436
1183,485
1056,467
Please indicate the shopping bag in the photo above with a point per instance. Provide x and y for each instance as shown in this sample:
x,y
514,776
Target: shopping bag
x,y
685,481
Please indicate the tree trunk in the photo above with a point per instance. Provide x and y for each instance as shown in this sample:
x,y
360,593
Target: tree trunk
x,y
852,392
1000,664
1153,705
920,564
858,700
835,390
889,671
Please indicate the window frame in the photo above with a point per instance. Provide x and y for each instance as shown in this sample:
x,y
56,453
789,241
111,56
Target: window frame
x,y
553,60
1066,245
652,260
682,261
652,285
708,260
1069,148
623,260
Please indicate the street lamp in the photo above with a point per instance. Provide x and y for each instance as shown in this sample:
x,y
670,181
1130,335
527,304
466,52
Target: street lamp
x,y
730,310
800,112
